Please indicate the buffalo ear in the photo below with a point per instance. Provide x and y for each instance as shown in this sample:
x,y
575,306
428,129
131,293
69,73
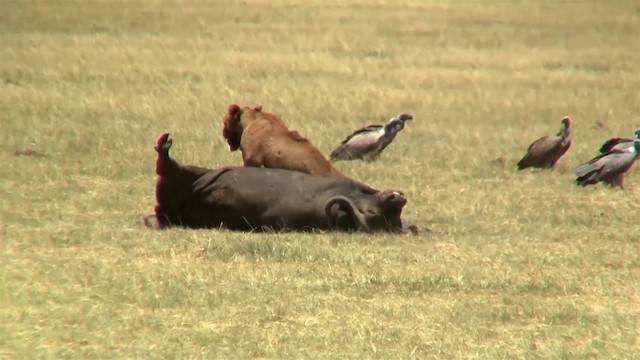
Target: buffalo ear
x,y
343,214
231,127
338,218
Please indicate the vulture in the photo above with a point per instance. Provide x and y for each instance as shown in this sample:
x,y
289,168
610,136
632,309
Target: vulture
x,y
545,152
368,142
619,144
609,167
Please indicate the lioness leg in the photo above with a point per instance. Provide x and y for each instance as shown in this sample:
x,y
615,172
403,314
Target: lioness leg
x,y
251,161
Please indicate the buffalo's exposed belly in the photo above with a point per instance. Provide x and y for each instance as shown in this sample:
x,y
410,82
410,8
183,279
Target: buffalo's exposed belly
x,y
262,199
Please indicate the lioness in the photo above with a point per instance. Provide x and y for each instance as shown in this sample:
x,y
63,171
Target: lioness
x,y
265,141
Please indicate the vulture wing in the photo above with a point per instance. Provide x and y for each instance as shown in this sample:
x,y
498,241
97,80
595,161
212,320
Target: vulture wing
x,y
356,146
539,152
616,163
619,144
366,129
604,166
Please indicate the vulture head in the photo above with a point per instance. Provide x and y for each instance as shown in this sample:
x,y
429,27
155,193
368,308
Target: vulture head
x,y
396,124
566,121
566,126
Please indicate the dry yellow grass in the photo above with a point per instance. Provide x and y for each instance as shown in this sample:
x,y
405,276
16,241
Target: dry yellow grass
x,y
518,265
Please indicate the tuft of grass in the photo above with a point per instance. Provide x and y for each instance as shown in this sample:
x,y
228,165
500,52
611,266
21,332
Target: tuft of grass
x,y
517,265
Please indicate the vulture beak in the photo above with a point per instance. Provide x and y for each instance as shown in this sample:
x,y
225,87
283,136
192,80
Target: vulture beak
x,y
405,117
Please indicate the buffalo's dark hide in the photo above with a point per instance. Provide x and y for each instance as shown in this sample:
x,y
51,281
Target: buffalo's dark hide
x,y
249,198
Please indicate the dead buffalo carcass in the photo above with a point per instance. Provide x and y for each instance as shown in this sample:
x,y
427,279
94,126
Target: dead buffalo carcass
x,y
262,199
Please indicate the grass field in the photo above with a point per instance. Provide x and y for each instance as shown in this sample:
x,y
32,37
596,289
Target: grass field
x,y
517,265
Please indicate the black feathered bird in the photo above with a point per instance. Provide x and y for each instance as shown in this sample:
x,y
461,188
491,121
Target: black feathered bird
x,y
545,152
368,142
609,167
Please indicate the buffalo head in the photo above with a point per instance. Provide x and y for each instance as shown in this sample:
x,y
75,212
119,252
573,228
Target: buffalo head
x,y
367,212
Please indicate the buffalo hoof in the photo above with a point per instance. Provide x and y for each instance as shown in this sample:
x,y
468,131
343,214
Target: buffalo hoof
x,y
408,227
151,221
164,143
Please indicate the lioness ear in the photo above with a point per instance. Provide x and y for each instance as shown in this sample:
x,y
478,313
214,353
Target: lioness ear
x,y
258,107
233,110
230,127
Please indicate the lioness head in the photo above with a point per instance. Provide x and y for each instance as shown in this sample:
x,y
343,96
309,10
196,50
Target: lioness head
x,y
234,121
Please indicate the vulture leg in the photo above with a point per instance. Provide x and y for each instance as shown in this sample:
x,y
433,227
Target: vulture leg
x,y
620,180
615,180
608,182
374,157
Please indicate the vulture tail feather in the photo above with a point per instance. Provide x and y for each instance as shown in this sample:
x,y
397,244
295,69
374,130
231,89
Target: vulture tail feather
x,y
340,153
524,162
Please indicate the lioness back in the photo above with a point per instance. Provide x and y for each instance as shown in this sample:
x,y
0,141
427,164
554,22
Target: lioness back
x,y
293,152
266,141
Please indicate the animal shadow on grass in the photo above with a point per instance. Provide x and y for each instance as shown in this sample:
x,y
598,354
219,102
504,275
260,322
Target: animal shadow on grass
x,y
29,153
